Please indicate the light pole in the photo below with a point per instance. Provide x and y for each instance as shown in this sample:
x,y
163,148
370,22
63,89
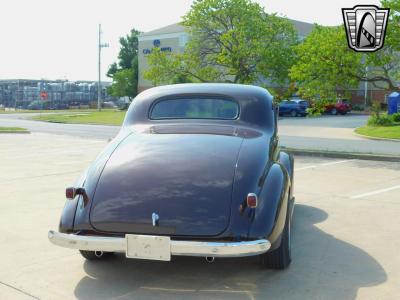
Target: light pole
x,y
99,83
365,87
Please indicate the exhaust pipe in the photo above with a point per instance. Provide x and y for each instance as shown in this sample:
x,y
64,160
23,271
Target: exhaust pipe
x,y
98,254
210,259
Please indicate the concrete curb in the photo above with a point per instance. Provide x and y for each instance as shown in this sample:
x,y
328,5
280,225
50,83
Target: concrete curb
x,y
345,155
374,137
17,132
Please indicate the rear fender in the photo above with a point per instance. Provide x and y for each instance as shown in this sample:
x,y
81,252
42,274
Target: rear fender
x,y
75,215
67,217
287,161
270,214
68,214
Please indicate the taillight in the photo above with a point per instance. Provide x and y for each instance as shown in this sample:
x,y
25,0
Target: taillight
x,y
70,193
252,200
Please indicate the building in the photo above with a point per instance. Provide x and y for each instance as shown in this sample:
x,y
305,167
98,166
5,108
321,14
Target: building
x,y
173,38
53,94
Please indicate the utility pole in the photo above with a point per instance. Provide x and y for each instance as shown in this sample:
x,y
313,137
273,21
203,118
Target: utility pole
x,y
16,98
99,83
365,88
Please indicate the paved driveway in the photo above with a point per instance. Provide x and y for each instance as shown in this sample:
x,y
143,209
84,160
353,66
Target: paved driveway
x,y
345,236
333,133
351,120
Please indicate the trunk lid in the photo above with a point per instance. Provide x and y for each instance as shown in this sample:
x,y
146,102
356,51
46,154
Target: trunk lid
x,y
186,179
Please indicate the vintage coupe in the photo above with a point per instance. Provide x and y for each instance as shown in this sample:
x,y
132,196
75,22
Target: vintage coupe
x,y
196,170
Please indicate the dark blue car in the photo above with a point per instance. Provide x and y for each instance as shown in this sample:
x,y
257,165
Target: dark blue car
x,y
196,170
294,107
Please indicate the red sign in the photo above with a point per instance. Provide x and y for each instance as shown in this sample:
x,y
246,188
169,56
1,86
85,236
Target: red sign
x,y
44,95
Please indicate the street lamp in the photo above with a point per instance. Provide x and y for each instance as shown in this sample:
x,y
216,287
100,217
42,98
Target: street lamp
x,y
365,87
99,83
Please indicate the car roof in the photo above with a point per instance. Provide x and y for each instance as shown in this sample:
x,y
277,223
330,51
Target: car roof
x,y
255,102
227,89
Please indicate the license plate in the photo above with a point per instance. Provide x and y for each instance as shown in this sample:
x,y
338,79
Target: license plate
x,y
148,247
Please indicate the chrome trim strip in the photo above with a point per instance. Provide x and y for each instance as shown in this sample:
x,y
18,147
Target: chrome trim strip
x,y
184,248
89,243
218,249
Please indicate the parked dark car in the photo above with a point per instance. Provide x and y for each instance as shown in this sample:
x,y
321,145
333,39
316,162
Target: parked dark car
x,y
342,106
196,170
109,104
123,103
58,106
37,104
293,108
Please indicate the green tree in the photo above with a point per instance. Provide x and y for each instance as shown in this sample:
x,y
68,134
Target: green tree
x,y
125,82
230,41
112,70
385,62
125,72
325,66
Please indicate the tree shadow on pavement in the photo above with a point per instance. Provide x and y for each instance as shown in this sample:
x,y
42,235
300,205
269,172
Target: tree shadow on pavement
x,y
323,267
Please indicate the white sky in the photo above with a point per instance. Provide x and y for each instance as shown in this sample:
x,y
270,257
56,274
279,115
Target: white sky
x,y
57,39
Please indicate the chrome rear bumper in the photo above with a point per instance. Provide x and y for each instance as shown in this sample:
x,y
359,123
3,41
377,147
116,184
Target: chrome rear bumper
x,y
185,248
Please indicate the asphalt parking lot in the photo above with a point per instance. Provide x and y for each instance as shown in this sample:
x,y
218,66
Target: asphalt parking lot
x,y
345,235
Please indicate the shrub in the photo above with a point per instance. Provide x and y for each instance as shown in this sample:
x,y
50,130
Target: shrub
x,y
396,117
313,111
376,110
316,108
380,120
358,107
377,118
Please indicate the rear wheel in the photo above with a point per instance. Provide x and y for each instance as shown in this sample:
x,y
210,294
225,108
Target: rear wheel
x,y
281,257
95,255
334,111
293,113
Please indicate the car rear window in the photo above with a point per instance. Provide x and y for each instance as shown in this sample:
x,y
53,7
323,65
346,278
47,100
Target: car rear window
x,y
195,108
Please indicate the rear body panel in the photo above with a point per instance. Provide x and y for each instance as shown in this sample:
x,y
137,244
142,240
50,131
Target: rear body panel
x,y
186,179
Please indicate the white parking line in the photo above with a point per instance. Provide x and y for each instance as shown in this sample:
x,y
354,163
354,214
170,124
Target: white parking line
x,y
376,192
323,165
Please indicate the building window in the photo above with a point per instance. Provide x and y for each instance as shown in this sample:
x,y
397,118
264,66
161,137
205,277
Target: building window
x,y
183,40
